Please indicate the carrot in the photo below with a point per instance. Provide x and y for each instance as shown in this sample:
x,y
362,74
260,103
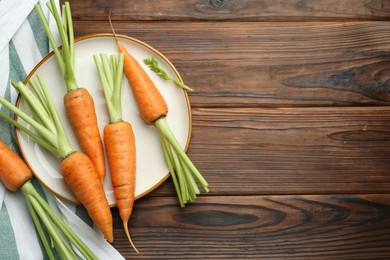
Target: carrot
x,y
78,102
153,110
118,138
82,178
150,102
78,170
13,171
120,146
15,174
85,125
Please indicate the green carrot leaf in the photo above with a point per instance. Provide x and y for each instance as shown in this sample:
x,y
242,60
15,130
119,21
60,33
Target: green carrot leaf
x,y
153,65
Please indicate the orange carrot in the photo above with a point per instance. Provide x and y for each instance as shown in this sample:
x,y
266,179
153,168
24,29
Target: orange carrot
x,y
149,100
80,110
81,176
118,138
13,171
120,147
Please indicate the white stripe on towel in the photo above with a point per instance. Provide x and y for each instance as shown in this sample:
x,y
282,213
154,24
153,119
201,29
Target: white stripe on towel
x,y
4,71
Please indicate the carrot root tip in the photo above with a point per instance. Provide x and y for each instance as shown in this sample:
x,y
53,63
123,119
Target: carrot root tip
x,y
128,236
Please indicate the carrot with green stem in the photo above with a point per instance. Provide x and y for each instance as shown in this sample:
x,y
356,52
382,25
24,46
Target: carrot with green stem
x,y
78,102
153,110
77,169
118,138
16,175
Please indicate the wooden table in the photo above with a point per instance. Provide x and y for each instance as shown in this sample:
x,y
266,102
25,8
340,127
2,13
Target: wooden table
x,y
291,126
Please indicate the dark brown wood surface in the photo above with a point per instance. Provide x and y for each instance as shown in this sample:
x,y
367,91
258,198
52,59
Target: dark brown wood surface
x,y
291,126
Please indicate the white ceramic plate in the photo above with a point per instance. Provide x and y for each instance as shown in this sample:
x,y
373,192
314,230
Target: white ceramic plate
x,y
151,166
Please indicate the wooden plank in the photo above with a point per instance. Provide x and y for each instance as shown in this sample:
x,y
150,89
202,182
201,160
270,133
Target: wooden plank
x,y
272,64
265,10
291,150
269,227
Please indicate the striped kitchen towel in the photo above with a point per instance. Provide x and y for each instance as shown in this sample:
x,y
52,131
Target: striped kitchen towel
x,y
23,43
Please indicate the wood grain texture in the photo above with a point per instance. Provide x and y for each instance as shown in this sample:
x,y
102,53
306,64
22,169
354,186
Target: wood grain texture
x,y
275,64
291,126
291,150
238,10
260,227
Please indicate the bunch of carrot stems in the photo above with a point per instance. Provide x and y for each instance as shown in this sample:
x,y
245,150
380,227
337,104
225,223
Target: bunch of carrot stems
x,y
45,219
49,131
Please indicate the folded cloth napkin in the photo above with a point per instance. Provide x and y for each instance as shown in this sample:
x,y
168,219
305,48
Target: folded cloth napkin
x,y
23,43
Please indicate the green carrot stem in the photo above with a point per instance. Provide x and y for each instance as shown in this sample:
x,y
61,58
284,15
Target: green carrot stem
x,y
34,113
73,238
64,40
39,228
65,58
51,229
29,189
169,159
180,174
107,72
64,18
107,91
50,36
62,245
39,94
68,14
30,133
162,126
64,147
113,64
110,71
60,252
49,136
118,76
181,84
67,46
35,106
190,180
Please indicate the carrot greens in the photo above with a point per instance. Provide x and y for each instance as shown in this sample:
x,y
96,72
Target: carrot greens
x,y
45,218
183,172
45,120
154,66
65,55
110,69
